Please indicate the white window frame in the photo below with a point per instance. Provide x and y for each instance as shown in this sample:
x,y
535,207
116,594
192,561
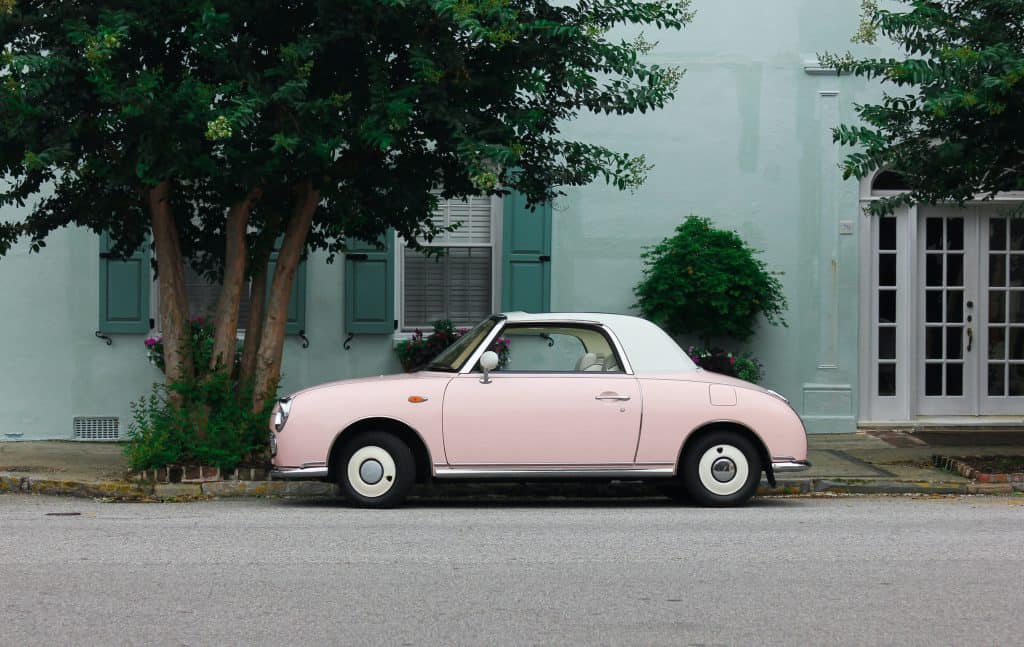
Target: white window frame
x,y
496,249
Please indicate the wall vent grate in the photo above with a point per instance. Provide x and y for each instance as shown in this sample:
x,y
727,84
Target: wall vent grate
x,y
97,428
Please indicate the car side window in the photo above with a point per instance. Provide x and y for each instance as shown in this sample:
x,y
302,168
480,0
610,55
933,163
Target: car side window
x,y
557,349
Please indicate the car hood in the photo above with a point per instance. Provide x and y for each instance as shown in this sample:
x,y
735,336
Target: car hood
x,y
379,379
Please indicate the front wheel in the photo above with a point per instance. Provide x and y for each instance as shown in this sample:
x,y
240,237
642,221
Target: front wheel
x,y
376,470
721,469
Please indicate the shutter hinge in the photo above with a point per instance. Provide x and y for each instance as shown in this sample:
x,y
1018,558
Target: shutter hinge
x,y
106,255
396,324
545,259
152,323
357,257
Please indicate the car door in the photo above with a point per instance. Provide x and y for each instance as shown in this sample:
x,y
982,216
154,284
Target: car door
x,y
560,397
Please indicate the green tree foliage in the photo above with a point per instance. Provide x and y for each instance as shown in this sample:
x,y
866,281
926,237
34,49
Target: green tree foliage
x,y
708,282
955,129
219,126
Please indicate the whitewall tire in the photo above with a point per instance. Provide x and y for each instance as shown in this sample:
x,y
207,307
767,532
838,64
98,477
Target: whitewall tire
x,y
723,468
376,470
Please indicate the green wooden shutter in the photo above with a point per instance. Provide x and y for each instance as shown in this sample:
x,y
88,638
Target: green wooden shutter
x,y
526,256
370,286
124,290
297,302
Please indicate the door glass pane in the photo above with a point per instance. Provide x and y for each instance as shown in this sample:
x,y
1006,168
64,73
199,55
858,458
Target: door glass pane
x,y
954,379
933,306
1017,235
933,342
1017,270
996,342
954,233
1016,347
955,270
887,343
887,233
933,233
1016,379
997,269
1016,307
954,342
887,269
933,270
933,379
954,306
887,306
997,233
996,381
886,379
996,306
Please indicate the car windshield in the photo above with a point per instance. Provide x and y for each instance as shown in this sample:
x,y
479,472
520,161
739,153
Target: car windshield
x,y
453,357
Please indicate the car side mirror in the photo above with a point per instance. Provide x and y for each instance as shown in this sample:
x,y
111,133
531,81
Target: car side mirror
x,y
488,362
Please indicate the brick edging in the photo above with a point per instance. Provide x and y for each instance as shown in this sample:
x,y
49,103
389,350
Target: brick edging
x,y
957,466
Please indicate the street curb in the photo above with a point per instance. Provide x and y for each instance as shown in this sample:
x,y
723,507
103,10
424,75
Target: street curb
x,y
147,491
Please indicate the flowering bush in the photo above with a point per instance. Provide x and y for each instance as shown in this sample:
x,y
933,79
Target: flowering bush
x,y
201,338
744,365
417,352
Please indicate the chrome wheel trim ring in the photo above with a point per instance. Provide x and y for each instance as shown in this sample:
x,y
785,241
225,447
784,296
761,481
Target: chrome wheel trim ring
x,y
365,455
716,455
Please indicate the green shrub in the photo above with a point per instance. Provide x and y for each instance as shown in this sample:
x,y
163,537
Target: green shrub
x,y
708,282
209,422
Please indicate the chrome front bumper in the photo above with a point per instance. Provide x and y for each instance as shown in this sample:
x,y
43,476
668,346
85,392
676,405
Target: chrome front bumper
x,y
780,465
304,472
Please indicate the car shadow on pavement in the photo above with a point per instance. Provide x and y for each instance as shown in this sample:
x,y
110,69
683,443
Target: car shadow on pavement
x,y
539,501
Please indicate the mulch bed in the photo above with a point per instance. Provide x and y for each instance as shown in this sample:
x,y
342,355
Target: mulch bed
x,y
984,469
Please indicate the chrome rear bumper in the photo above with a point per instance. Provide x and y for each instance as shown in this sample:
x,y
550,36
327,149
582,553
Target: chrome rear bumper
x,y
780,465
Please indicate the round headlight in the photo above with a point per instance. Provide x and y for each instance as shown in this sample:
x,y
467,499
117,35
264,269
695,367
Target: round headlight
x,y
284,406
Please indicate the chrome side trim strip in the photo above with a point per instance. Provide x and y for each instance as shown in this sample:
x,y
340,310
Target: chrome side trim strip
x,y
541,472
299,473
789,465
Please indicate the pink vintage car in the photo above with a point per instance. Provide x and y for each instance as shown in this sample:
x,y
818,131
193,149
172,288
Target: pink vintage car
x,y
597,396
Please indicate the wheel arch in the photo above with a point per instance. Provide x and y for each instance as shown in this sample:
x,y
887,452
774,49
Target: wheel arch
x,y
401,430
729,425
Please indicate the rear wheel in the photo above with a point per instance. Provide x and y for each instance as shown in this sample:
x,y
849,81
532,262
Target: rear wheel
x,y
376,470
721,469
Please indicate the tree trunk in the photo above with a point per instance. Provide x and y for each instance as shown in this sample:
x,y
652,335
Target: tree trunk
x,y
225,317
254,327
174,324
268,358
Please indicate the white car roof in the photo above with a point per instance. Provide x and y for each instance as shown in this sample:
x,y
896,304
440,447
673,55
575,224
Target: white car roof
x,y
649,349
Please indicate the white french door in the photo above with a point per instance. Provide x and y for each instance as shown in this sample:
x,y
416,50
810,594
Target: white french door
x,y
1002,323
947,309
969,325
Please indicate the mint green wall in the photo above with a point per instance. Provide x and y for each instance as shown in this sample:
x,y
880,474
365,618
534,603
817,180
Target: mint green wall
x,y
745,142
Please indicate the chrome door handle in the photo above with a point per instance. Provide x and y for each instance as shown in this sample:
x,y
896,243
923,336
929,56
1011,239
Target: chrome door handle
x,y
611,396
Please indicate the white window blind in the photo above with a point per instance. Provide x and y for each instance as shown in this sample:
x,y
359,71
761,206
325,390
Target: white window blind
x,y
456,286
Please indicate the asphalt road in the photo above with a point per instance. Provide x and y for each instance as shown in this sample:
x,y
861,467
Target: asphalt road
x,y
852,571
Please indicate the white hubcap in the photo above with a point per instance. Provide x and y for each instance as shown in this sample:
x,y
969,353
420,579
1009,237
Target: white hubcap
x,y
371,471
723,470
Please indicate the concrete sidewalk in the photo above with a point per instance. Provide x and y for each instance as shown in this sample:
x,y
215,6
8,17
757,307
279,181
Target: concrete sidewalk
x,y
878,462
